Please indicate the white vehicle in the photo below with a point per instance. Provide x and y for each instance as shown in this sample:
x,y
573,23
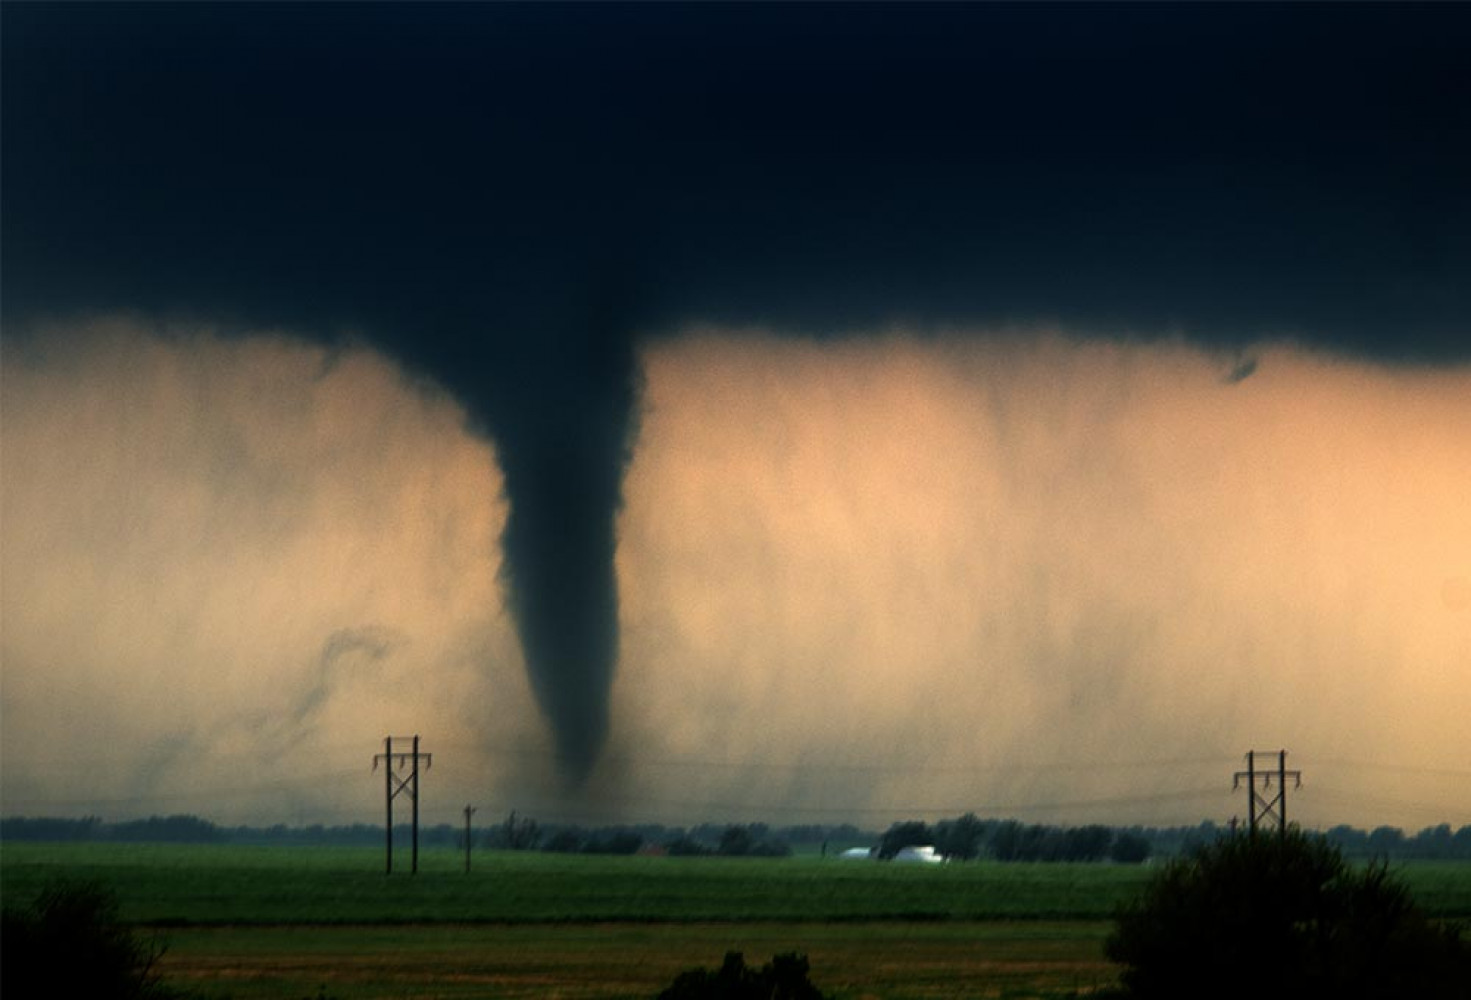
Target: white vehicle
x,y
924,855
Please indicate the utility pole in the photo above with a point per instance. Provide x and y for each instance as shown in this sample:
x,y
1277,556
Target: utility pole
x,y
1264,806
469,811
393,784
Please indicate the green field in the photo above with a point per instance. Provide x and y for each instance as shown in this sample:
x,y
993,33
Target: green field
x,y
251,922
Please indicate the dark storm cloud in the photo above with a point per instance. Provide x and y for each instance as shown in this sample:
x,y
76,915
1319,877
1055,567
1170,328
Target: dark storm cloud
x,y
502,196
413,171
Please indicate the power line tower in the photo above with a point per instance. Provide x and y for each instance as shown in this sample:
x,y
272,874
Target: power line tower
x,y
1262,803
408,784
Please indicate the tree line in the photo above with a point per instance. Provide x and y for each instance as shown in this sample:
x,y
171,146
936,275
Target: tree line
x,y
968,837
959,838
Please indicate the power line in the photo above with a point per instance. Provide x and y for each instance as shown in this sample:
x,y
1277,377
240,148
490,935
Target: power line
x,y
311,782
1440,772
305,784
889,767
501,750
893,810
1332,792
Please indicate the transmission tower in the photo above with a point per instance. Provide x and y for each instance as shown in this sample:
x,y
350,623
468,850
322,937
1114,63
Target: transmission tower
x,y
408,784
1264,804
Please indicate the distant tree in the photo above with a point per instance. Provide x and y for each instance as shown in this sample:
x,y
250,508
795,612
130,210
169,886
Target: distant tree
x,y
71,943
1284,916
178,829
959,839
1434,842
1129,848
686,846
785,977
771,847
707,833
1048,843
613,842
515,834
1036,842
1086,843
815,833
1386,841
913,833
1351,841
1006,841
48,828
564,841
736,841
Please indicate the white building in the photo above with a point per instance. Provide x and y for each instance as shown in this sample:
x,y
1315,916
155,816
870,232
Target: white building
x,y
924,855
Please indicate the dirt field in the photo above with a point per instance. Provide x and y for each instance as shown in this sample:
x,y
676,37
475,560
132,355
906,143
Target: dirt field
x,y
884,961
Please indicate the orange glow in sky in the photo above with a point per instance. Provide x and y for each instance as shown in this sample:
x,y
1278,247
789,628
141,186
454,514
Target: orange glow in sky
x,y
1025,574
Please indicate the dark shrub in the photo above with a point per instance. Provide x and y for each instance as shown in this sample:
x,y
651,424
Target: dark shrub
x,y
783,978
70,943
1283,916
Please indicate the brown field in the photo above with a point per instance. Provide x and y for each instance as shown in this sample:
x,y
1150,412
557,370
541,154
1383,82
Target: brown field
x,y
887,960
246,923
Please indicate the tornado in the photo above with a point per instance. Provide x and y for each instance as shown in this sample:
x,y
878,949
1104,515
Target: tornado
x,y
559,401
558,545
563,464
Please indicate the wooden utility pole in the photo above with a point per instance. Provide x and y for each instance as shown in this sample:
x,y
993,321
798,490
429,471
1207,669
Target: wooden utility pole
x,y
469,811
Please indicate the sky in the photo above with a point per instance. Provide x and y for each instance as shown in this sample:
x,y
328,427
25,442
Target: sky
x,y
796,413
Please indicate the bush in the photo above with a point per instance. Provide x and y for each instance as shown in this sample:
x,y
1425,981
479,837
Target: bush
x,y
70,943
783,978
1283,916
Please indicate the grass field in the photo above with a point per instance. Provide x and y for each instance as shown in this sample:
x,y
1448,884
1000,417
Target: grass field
x,y
255,922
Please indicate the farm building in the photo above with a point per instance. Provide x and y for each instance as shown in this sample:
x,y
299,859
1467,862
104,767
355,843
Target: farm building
x,y
923,855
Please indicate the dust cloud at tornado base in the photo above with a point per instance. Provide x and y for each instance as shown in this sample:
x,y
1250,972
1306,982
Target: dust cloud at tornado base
x,y
861,578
